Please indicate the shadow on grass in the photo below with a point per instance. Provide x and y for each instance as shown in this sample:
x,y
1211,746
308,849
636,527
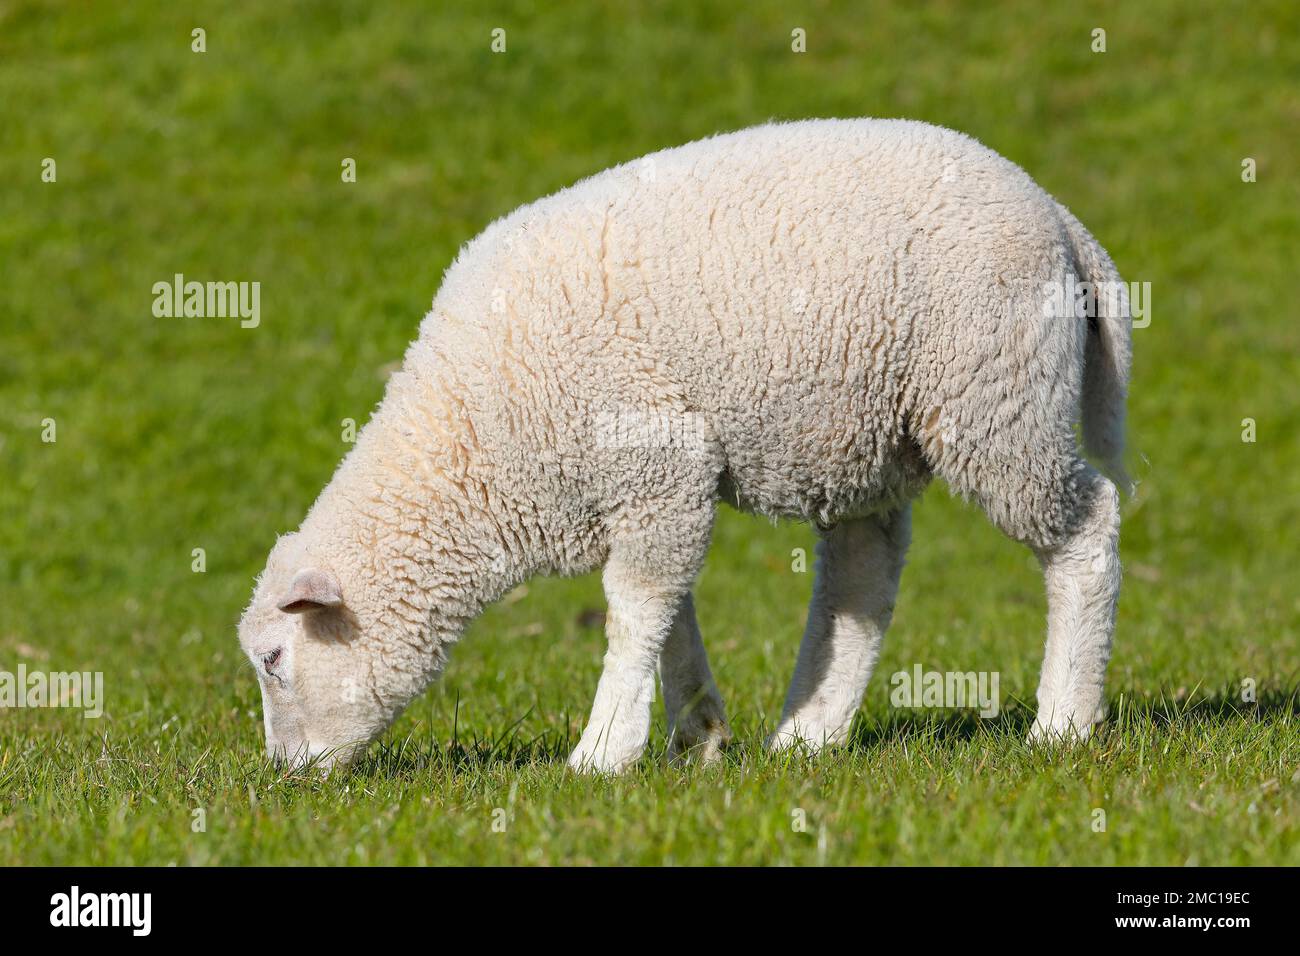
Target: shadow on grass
x,y
507,751
422,754
1126,711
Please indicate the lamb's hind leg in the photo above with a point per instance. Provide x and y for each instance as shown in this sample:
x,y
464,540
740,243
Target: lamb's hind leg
x,y
697,721
858,568
1082,573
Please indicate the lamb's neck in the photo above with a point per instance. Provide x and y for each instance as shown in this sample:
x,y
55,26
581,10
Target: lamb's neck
x,y
414,489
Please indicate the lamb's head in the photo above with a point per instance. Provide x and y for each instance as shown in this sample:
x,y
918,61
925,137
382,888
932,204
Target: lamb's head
x,y
321,675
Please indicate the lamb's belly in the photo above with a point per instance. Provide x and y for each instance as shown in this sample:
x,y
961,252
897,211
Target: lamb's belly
x,y
823,468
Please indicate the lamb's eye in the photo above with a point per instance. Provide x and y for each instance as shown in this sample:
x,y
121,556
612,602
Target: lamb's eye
x,y
268,660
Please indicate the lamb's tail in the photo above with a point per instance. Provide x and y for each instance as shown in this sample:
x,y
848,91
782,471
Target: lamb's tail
x,y
1107,356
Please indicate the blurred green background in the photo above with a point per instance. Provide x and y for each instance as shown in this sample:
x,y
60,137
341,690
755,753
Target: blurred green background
x,y
176,434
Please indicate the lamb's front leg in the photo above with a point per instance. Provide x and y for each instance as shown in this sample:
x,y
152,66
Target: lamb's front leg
x,y
641,612
697,720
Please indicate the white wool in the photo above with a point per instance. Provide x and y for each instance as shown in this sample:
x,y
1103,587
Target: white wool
x,y
809,320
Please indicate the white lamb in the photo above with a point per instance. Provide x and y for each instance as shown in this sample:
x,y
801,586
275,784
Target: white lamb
x,y
806,320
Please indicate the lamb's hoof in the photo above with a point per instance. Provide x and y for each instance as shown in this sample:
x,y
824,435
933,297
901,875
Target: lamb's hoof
x,y
699,744
804,737
1058,733
598,761
1065,728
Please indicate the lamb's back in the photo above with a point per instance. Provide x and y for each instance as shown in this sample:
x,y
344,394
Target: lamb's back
x,y
802,291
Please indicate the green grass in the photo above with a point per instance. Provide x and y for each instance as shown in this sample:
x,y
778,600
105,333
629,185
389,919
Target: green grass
x,y
175,434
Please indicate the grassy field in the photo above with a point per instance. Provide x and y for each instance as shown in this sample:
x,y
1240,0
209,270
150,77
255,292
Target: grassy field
x,y
177,434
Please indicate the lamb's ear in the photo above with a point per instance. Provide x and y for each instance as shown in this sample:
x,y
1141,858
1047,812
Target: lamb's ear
x,y
311,590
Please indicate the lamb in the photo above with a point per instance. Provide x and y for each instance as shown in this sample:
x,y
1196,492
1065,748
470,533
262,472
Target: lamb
x,y
806,320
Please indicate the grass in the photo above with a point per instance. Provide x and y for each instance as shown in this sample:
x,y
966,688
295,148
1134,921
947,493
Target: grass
x,y
176,434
